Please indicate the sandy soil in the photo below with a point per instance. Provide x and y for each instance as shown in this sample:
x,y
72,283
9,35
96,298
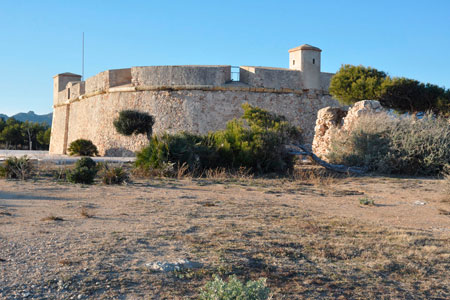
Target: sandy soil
x,y
299,235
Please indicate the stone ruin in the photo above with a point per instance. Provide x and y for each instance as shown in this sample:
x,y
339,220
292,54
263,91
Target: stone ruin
x,y
333,119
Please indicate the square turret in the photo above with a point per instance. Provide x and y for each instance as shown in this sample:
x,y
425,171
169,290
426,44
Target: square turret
x,y
306,58
60,82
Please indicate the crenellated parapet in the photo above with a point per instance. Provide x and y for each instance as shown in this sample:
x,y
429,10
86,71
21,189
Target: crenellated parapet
x,y
256,79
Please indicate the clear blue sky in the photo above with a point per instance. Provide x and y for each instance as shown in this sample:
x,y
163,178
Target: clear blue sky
x,y
39,39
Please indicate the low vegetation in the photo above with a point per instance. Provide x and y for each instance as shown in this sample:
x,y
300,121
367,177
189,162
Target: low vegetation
x,y
16,168
234,289
113,175
84,172
82,147
256,142
390,145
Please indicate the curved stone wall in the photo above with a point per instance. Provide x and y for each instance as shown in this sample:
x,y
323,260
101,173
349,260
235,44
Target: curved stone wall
x,y
196,110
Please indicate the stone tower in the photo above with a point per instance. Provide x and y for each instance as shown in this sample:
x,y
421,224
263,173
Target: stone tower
x,y
306,58
60,82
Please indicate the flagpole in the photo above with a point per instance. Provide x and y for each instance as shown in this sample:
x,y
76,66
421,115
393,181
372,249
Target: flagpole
x,y
82,58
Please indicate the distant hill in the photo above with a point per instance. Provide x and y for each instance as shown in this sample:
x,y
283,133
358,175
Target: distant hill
x,y
32,117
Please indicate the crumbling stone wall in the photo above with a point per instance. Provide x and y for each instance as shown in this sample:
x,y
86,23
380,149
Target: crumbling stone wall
x,y
333,119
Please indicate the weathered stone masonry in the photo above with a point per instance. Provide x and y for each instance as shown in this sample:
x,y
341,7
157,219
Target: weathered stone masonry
x,y
197,99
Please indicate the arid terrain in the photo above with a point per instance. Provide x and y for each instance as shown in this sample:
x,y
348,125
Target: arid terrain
x,y
312,237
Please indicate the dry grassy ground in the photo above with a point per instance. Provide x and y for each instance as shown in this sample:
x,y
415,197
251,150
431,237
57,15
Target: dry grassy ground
x,y
310,237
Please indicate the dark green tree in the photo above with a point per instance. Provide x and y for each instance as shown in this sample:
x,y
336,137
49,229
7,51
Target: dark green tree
x,y
134,122
11,135
409,95
43,137
355,83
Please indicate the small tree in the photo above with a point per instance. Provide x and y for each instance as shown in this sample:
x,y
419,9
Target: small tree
x,y
84,171
134,122
355,83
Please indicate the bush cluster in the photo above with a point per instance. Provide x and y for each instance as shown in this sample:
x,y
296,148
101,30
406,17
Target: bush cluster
x,y
217,289
255,142
113,175
84,171
16,168
386,144
82,147
355,83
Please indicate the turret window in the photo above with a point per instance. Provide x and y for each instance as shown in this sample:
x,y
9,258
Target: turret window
x,y
293,62
314,61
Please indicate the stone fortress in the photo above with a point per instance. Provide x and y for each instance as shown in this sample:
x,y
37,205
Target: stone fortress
x,y
196,99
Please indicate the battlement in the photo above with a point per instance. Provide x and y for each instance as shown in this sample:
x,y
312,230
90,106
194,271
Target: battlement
x,y
189,77
303,74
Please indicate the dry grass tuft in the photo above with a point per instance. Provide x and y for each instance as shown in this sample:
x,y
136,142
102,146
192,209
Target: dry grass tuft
x,y
316,176
444,212
4,212
66,262
85,212
52,218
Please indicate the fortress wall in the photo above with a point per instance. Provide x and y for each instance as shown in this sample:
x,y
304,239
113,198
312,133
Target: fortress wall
x,y
180,75
325,79
99,82
276,78
119,77
58,129
104,80
192,110
76,89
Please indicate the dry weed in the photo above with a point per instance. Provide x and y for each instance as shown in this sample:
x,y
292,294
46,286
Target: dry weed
x,y
52,218
86,212
315,176
4,212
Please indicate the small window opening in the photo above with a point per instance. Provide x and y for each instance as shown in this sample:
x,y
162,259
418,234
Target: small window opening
x,y
293,62
314,61
68,93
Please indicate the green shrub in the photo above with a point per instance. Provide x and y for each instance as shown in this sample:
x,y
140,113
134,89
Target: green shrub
x,y
82,147
134,122
17,168
113,175
234,289
366,201
171,150
84,171
387,145
255,142
2,172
